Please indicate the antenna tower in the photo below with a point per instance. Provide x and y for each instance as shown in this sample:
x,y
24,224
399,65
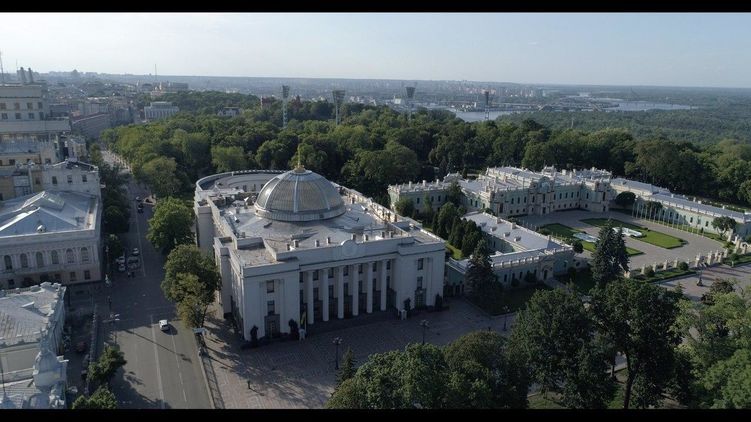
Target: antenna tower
x,y
410,97
285,98
338,100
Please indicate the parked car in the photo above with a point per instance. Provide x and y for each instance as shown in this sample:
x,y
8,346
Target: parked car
x,y
164,325
135,252
121,268
121,259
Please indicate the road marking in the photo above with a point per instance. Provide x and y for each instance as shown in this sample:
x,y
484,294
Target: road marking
x,y
177,361
156,355
140,246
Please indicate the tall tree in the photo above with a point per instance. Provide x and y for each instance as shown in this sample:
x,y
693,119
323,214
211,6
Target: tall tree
x,y
189,260
348,368
640,321
723,225
102,371
194,299
610,256
101,399
171,224
555,336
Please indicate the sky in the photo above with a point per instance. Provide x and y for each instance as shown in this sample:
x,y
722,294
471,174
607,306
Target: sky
x,y
708,50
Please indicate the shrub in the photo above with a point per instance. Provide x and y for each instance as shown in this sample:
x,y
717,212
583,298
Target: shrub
x,y
683,266
649,272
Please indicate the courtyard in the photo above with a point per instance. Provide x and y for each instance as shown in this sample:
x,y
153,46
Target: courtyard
x,y
302,374
574,220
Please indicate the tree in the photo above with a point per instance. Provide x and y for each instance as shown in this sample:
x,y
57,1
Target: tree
x,y
454,194
723,225
625,199
730,380
171,224
719,286
102,371
101,399
578,246
683,266
487,292
405,206
114,246
228,158
610,256
185,261
639,319
114,220
194,299
554,336
649,272
348,368
161,174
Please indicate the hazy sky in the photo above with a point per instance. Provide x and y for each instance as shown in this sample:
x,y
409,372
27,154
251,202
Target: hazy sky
x,y
617,49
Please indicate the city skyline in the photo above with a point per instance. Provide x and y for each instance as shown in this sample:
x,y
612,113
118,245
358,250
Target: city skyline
x,y
691,50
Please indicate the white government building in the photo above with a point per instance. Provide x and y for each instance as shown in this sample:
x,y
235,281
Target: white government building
x,y
31,328
517,254
50,236
159,110
295,246
511,191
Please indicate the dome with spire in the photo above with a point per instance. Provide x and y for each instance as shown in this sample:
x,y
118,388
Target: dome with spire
x,y
299,195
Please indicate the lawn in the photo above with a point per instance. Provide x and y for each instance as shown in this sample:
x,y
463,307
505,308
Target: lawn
x,y
455,253
665,275
564,232
650,236
685,228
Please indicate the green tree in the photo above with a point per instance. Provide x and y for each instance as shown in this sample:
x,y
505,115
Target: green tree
x,y
348,367
730,380
101,399
625,199
405,207
114,220
723,225
189,260
161,174
102,371
228,158
578,246
639,319
555,337
171,224
454,194
114,247
487,292
610,256
194,299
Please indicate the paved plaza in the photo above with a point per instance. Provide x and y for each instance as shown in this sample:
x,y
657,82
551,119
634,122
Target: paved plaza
x,y
708,276
696,244
301,374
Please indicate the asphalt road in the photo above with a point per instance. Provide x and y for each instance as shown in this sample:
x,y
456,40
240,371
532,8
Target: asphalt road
x,y
163,369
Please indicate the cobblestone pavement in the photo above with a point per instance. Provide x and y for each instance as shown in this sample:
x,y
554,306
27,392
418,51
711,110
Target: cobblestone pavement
x,y
709,276
301,374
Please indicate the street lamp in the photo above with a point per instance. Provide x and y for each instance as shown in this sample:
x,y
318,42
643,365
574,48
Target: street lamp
x,y
337,342
424,324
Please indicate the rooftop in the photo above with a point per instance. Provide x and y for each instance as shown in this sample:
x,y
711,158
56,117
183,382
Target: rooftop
x,y
47,212
25,312
519,237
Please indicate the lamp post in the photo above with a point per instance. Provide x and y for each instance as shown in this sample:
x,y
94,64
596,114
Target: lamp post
x,y
424,324
337,342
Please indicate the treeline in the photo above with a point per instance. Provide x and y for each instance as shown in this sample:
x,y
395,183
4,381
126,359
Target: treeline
x,y
375,146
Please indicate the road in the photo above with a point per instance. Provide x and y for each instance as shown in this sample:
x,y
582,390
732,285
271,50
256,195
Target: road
x,y
163,369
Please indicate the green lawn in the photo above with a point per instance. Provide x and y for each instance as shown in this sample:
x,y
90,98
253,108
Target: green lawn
x,y
650,236
665,275
685,228
563,232
455,253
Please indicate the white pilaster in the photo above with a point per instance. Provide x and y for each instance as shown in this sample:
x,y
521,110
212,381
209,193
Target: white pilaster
x,y
369,287
311,298
384,287
339,292
354,288
324,292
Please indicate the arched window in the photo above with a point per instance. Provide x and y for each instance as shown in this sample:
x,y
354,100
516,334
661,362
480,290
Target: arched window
x,y
40,259
55,258
69,257
84,255
8,262
24,261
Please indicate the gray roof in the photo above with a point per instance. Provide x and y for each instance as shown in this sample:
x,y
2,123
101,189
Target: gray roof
x,y
47,212
682,202
299,195
23,315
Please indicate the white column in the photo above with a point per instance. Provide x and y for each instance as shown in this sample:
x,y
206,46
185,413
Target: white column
x,y
354,289
368,287
340,292
384,287
324,291
310,299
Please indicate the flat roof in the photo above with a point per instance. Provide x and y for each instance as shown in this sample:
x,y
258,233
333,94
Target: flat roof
x,y
55,211
25,312
518,236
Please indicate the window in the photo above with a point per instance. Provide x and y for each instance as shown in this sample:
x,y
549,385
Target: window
x,y
18,116
83,178
505,277
69,257
84,255
41,116
31,116
439,198
270,308
5,116
54,180
16,106
420,263
87,275
55,259
24,261
418,200
30,106
706,224
8,263
72,276
346,270
359,269
39,106
2,106
11,283
37,181
40,260
419,282
270,286
70,178
388,264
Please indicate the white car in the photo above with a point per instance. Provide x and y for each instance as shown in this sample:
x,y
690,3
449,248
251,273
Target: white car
x,y
135,252
163,325
121,260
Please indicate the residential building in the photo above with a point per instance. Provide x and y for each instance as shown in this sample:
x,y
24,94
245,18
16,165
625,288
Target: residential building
x,y
295,246
24,114
70,175
34,373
